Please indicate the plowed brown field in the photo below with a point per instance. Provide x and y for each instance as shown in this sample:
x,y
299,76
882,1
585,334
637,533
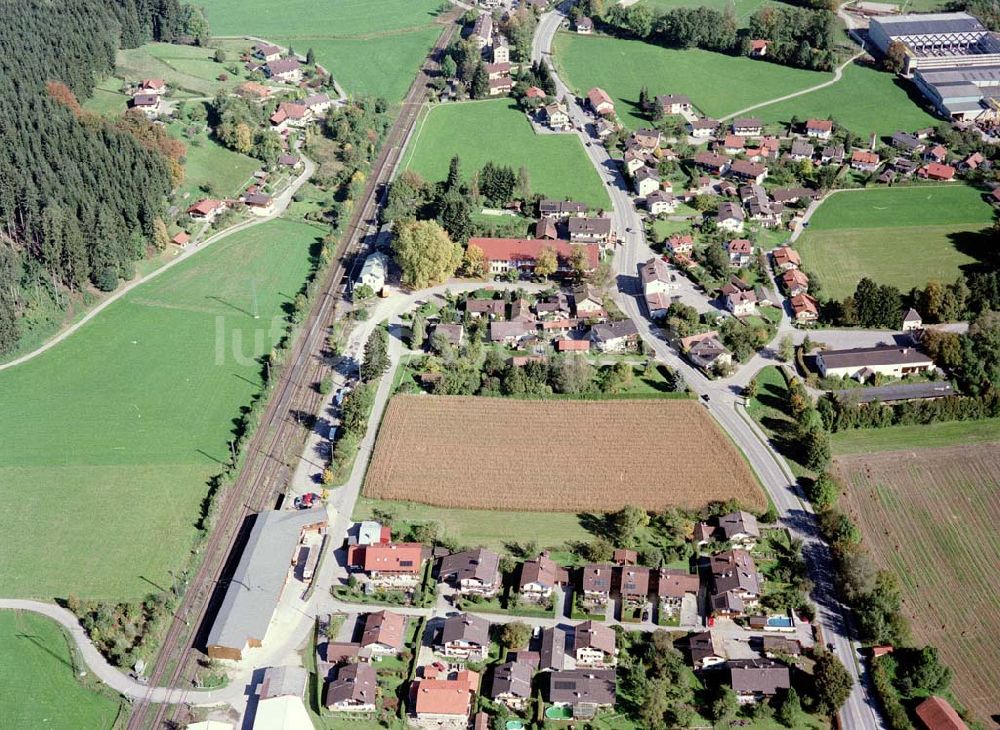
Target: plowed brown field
x,y
557,456
930,516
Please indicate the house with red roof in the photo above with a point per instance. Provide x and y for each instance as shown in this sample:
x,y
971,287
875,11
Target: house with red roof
x,y
758,47
600,102
207,210
865,160
936,171
805,308
440,701
819,128
504,254
396,565
936,713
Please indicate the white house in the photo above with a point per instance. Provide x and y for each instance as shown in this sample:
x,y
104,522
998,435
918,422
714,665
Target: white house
x,y
374,271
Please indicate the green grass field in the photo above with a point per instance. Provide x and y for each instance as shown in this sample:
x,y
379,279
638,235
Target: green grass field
x,y
743,9
896,438
109,437
40,687
865,100
188,69
485,131
207,161
483,527
901,236
370,46
717,84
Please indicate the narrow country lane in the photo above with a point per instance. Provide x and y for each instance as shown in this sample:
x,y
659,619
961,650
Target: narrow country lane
x,y
722,399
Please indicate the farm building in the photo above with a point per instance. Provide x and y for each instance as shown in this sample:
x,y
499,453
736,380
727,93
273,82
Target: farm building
x,y
936,713
865,362
260,577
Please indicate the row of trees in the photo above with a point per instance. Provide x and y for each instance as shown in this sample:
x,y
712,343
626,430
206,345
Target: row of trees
x,y
799,36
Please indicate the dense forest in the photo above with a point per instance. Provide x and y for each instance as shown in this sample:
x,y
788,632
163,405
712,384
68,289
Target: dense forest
x,y
80,198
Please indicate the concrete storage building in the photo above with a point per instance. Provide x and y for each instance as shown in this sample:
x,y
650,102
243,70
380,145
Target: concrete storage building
x,y
953,59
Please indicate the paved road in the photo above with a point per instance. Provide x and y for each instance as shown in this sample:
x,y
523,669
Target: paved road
x,y
723,401
281,202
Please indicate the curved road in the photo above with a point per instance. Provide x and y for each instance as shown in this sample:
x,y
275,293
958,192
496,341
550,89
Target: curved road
x,y
722,399
281,202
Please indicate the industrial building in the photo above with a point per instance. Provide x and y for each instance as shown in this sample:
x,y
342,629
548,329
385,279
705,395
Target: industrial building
x,y
952,57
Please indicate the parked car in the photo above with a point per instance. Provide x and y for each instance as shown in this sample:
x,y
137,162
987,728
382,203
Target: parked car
x,y
306,501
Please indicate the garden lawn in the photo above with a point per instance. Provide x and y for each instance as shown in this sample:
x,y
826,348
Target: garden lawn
x,y
185,68
489,528
37,674
901,236
865,100
110,436
742,8
908,438
208,162
496,131
107,99
717,84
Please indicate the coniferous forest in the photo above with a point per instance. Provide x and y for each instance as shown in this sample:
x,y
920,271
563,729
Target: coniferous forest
x,y
80,197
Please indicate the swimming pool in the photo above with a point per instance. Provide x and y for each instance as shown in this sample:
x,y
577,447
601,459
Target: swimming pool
x,y
780,622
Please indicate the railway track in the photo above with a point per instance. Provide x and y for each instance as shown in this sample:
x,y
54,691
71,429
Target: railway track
x,y
266,467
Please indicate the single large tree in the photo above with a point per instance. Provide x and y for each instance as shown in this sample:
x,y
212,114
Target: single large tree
x,y
425,253
832,682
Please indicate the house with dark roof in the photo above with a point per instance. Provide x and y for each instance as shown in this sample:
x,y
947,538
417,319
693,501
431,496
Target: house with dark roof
x,y
619,336
705,350
355,689
285,70
560,209
705,650
466,636
736,584
739,528
864,362
510,684
539,578
672,586
755,680
589,230
472,571
633,584
673,103
383,633
552,649
748,127
585,691
595,583
594,645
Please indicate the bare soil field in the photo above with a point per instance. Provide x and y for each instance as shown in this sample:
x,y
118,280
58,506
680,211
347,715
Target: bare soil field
x,y
930,516
556,456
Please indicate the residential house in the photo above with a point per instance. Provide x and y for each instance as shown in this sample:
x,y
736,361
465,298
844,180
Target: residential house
x,y
556,117
568,345
741,303
374,271
634,584
733,144
656,277
673,104
557,209
260,204
729,217
510,333
552,650
501,86
504,254
912,320
795,282
520,311
588,303
680,243
712,162
354,690
395,565
635,159
907,143
832,154
758,47
819,128
207,210
539,578
786,258
501,49
482,31
801,150
865,362
318,104
702,128
472,571
735,582
510,685
646,139
590,230
253,90
672,585
534,92
740,252
739,528
972,162
594,645
585,691
936,713
748,127
599,101
490,308
805,308
794,195
936,171
658,202
382,634
747,170
289,160
605,127
937,153
625,556
584,25
285,70
646,180
436,701
865,160
156,87
706,650
149,104
466,636
778,646
181,239
756,680
706,350
554,307
595,583
615,336
496,71
266,52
